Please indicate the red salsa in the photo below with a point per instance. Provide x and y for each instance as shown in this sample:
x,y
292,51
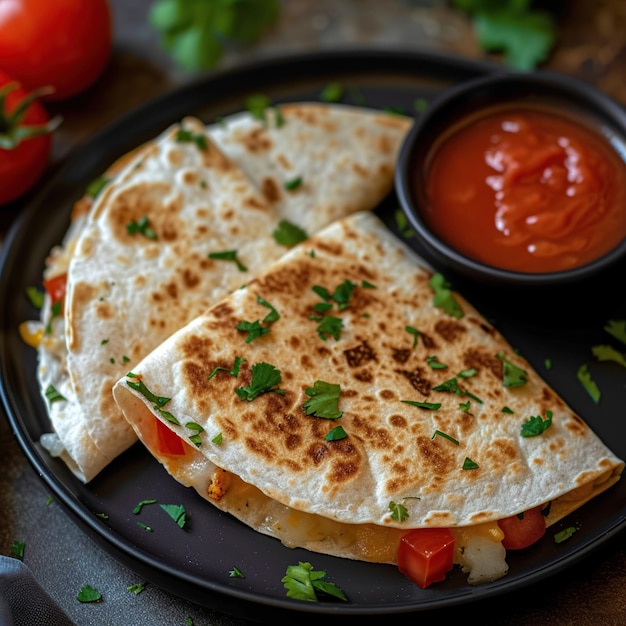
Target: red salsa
x,y
528,190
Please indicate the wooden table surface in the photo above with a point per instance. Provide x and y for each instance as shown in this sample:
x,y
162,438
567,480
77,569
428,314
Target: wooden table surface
x,y
591,46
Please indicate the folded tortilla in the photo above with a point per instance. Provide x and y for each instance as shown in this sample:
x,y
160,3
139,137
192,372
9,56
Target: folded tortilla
x,y
138,265
418,386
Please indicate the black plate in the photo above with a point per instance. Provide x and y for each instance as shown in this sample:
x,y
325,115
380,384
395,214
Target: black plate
x,y
194,563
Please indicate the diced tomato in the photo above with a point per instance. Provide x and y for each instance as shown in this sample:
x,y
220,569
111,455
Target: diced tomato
x,y
56,287
169,442
521,531
425,555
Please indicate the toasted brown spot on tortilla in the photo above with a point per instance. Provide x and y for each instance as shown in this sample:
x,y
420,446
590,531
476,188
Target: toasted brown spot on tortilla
x,y
271,190
478,359
359,354
417,379
449,330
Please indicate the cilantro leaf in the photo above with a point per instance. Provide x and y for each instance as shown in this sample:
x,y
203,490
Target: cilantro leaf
x,y
187,135
330,326
264,378
608,353
288,234
52,395
254,329
228,255
176,512
195,32
468,464
141,226
590,386
89,594
535,425
443,298
303,583
17,549
399,512
512,376
336,434
617,328
432,406
324,400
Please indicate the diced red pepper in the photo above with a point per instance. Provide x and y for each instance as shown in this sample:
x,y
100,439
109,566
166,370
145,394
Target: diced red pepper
x,y
56,287
425,555
168,441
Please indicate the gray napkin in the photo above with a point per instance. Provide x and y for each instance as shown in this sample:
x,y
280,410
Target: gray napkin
x,y
23,602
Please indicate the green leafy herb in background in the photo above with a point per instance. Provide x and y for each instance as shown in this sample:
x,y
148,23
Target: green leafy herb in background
x,y
513,27
196,32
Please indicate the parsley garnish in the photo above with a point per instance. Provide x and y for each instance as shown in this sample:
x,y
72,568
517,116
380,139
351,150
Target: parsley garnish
x,y
414,332
303,583
402,224
197,430
176,512
217,440
53,395
96,186
432,406
617,328
141,504
35,297
590,386
292,184
434,363
257,104
445,436
512,376
288,234
468,464
228,255
236,573
142,227
452,386
443,298
137,588
336,434
254,329
264,379
17,549
324,400
399,512
564,534
506,409
159,401
535,425
609,353
333,92
328,326
89,594
198,138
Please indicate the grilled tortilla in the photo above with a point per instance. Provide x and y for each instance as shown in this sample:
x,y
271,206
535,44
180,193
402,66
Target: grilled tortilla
x,y
418,384
137,264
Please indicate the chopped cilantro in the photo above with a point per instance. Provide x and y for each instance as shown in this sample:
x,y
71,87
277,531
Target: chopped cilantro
x,y
288,234
137,588
506,409
564,534
235,572
468,464
434,363
432,406
443,298
176,512
217,440
35,296
336,434
141,504
293,183
197,431
588,383
324,400
617,328
399,512
402,224
257,104
414,332
333,92
187,135
264,378
535,425
254,329
303,583
96,186
89,594
228,255
420,105
512,375
142,227
53,395
609,353
329,326
445,436
17,549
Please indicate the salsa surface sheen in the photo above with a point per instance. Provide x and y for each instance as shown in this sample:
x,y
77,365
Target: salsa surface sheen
x,y
527,190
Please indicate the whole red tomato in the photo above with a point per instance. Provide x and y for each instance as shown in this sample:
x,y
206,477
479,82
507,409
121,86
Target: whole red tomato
x,y
25,139
64,44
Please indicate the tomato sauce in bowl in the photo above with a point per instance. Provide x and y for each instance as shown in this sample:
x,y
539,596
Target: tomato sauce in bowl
x,y
527,190
518,178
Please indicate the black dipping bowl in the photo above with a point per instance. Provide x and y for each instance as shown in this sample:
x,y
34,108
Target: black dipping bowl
x,y
555,92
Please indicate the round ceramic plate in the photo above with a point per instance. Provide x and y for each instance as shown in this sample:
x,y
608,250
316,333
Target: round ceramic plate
x,y
195,562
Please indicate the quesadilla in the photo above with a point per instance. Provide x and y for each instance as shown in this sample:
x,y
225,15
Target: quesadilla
x,y
347,396
188,219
